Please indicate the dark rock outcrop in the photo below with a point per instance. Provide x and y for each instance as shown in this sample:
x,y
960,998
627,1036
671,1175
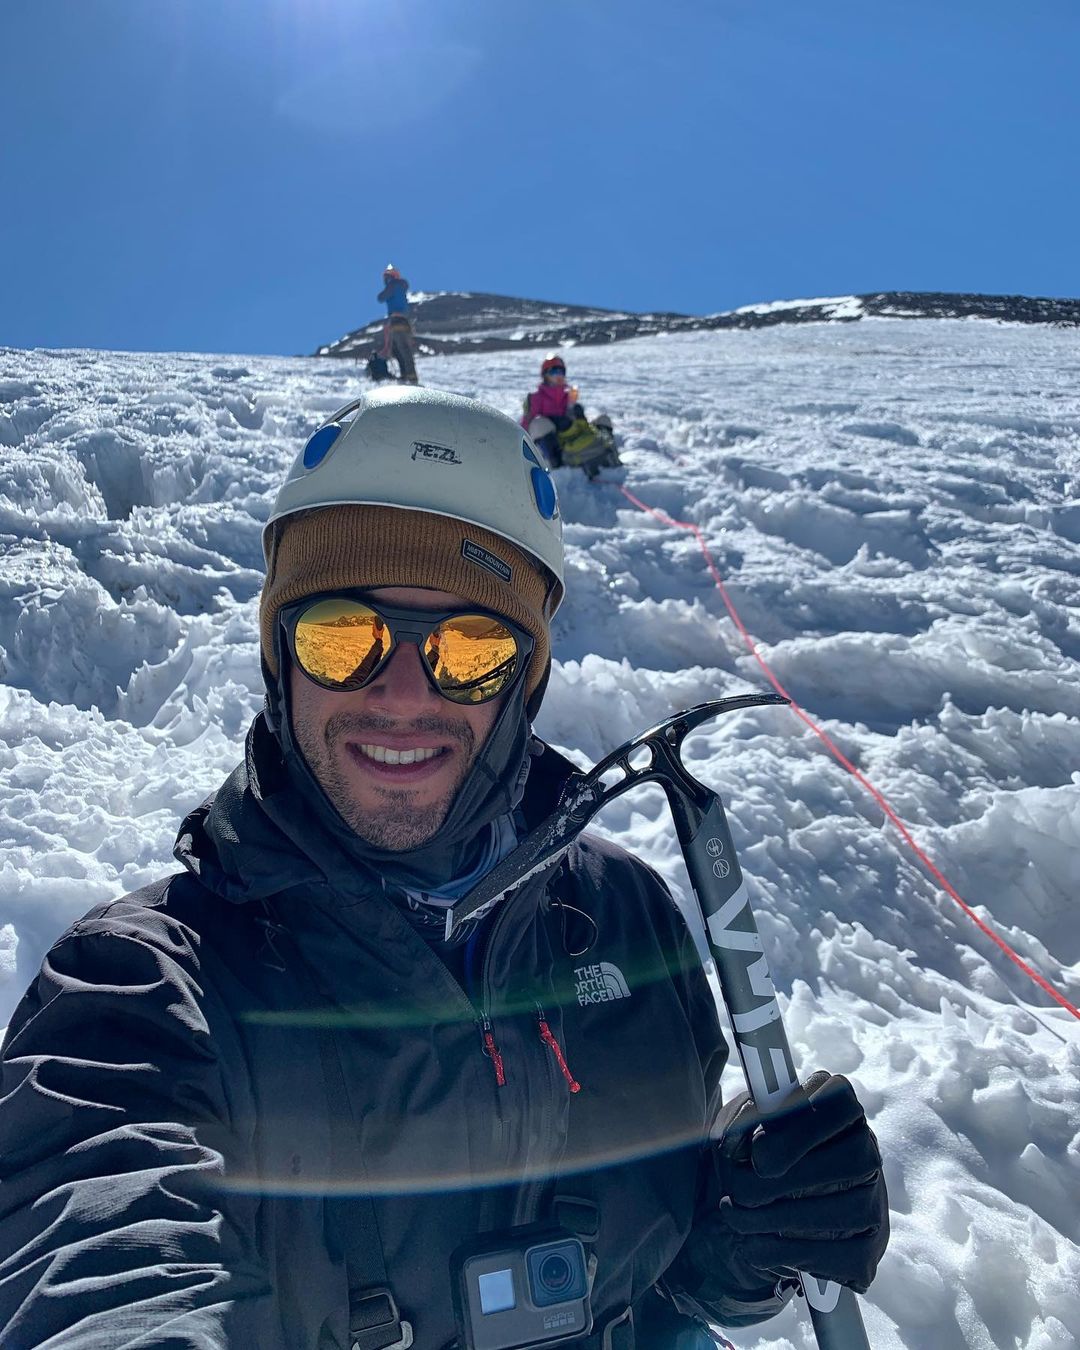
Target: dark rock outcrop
x,y
462,321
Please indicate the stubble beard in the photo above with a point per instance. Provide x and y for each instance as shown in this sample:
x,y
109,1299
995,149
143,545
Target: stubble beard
x,y
396,824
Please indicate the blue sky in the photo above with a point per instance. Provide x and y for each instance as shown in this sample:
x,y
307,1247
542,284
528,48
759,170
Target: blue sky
x,y
232,175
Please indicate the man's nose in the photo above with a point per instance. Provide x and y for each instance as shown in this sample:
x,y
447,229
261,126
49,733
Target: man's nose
x,y
401,684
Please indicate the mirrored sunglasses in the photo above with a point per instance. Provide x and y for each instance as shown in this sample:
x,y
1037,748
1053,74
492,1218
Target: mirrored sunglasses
x,y
342,641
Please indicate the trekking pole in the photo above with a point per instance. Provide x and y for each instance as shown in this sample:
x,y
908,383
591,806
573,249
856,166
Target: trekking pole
x,y
746,987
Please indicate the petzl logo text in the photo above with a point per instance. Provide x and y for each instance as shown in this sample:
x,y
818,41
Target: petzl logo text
x,y
441,454
600,983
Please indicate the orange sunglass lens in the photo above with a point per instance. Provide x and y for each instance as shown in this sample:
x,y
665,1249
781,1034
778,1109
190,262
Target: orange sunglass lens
x,y
340,642
472,656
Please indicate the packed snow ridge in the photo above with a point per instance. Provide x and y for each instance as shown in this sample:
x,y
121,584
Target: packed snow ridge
x,y
894,508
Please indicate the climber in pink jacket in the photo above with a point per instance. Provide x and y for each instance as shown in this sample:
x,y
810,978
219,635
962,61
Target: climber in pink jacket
x,y
554,401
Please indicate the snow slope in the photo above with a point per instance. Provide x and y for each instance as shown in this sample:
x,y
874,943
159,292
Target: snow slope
x,y
894,506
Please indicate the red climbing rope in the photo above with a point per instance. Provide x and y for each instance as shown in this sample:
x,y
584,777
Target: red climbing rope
x,y
842,759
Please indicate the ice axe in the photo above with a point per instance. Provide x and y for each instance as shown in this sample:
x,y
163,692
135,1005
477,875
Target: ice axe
x,y
746,987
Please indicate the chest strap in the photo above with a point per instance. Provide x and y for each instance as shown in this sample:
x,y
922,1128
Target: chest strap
x,y
618,1334
375,1321
374,1318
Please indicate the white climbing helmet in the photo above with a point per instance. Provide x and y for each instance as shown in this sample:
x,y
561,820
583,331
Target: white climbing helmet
x,y
427,450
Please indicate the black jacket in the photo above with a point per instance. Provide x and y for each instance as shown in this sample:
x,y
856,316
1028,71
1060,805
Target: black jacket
x,y
171,1173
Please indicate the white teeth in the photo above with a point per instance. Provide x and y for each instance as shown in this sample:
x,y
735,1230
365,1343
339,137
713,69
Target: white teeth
x,y
381,754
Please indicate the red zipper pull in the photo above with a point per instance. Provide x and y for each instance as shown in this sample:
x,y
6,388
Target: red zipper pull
x,y
492,1052
548,1037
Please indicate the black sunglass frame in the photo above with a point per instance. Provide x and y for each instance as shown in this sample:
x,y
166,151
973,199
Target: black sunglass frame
x,y
412,624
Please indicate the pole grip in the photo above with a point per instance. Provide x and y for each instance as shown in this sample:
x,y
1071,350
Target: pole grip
x,y
748,992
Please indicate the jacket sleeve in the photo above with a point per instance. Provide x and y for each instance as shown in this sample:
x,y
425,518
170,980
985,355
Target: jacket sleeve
x,y
122,1102
724,1310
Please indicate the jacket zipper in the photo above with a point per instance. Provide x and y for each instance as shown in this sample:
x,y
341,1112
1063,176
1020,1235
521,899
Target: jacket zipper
x,y
491,1049
548,1037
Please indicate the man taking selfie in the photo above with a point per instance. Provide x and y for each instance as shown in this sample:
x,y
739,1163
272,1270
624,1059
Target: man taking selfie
x,y
264,1102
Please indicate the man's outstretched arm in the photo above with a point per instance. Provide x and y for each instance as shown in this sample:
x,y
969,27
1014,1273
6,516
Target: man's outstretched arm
x,y
117,1129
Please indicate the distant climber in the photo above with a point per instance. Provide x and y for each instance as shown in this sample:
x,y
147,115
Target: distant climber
x,y
556,421
397,330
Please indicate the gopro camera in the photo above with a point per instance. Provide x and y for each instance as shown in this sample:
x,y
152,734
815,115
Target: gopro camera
x,y
525,1287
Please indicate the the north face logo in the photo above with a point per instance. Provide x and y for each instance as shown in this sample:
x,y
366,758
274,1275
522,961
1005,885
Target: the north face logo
x,y
600,983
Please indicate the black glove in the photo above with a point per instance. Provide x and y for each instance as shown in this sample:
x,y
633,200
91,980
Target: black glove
x,y
798,1191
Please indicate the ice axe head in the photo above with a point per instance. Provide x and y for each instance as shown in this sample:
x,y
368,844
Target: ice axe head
x,y
651,757
655,755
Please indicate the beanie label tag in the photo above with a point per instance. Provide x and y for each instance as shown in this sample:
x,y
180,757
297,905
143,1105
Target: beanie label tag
x,y
476,554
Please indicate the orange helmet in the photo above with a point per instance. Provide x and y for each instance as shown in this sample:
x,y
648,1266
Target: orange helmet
x,y
554,362
390,272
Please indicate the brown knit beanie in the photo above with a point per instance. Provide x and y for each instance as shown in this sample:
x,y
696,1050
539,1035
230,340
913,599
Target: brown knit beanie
x,y
336,547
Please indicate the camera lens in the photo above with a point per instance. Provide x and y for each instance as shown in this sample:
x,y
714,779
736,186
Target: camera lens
x,y
555,1274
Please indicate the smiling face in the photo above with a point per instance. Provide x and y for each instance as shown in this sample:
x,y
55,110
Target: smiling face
x,y
391,756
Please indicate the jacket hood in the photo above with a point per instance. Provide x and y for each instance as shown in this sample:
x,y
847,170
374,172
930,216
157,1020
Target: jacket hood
x,y
252,839
261,834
